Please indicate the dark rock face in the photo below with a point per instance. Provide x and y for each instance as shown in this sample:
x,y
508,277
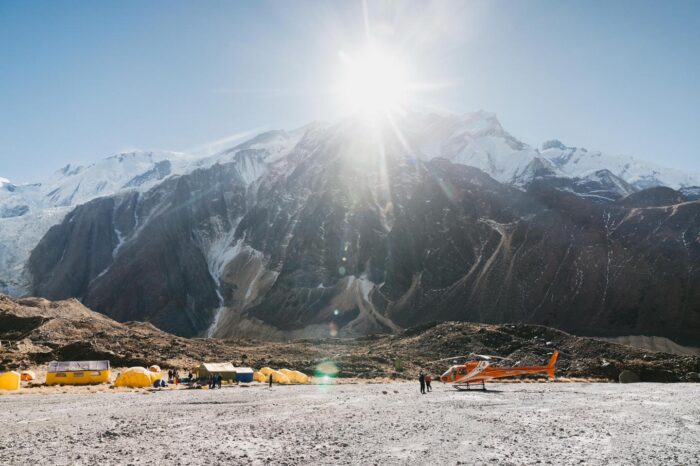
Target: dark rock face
x,y
141,257
654,197
351,235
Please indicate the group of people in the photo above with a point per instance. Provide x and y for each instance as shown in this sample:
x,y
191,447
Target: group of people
x,y
174,377
425,380
215,381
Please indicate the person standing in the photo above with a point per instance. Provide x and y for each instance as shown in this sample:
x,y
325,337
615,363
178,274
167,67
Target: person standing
x,y
428,379
270,380
218,380
421,379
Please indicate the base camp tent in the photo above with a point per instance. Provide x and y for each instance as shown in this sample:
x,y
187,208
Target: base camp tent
x,y
136,377
224,369
27,375
78,372
295,376
259,377
10,381
244,374
300,377
277,377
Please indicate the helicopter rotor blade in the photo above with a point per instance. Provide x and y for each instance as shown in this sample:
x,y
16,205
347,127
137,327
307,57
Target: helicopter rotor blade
x,y
488,357
484,357
450,358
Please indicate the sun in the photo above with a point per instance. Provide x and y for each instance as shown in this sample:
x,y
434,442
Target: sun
x,y
373,84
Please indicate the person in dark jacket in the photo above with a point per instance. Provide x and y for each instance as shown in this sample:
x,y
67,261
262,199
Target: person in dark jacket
x,y
270,380
421,379
218,380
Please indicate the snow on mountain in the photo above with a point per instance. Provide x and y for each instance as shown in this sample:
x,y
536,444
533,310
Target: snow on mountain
x,y
141,170
580,162
28,211
476,139
18,236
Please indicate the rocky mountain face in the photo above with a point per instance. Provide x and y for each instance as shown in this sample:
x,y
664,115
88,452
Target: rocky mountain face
x,y
349,230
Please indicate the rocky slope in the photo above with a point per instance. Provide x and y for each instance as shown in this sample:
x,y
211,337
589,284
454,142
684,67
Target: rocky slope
x,y
34,331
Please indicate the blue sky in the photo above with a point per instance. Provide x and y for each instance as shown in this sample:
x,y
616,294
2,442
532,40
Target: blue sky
x,y
83,80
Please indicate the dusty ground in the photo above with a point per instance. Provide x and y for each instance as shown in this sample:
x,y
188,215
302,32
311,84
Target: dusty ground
x,y
358,424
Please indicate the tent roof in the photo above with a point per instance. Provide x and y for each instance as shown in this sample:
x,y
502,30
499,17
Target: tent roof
x,y
218,366
243,370
72,366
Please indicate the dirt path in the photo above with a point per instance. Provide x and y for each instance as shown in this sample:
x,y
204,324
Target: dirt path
x,y
358,424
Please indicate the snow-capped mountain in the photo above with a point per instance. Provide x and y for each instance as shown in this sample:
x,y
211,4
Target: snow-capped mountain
x,y
360,229
478,140
578,162
28,211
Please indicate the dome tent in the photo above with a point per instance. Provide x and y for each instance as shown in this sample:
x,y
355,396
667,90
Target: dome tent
x,y
10,381
277,377
300,377
136,377
27,375
295,376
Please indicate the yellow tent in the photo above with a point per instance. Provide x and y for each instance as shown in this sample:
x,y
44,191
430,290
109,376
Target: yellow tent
x,y
154,368
300,377
295,376
277,377
78,372
27,375
10,381
136,377
259,377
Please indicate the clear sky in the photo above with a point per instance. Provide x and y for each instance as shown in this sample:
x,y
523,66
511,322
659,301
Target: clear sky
x,y
83,80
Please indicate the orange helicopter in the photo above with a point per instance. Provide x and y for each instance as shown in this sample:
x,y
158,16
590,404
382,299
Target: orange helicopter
x,y
478,372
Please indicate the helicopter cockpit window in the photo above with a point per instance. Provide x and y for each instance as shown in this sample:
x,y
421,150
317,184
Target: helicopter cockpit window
x,y
461,371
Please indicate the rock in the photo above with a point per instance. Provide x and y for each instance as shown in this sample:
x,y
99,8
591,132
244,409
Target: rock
x,y
627,376
693,376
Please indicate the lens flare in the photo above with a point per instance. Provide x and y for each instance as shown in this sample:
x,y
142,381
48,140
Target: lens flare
x,y
326,372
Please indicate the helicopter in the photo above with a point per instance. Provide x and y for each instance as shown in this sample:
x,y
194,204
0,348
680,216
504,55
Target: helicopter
x,y
478,372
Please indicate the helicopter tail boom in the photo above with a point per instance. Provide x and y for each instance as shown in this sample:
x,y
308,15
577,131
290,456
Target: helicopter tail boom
x,y
551,365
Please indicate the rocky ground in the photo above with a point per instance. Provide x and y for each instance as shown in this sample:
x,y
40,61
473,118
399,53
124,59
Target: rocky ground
x,y
34,331
576,423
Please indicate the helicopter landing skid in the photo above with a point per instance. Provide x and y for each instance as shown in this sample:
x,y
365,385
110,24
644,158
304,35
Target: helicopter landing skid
x,y
467,387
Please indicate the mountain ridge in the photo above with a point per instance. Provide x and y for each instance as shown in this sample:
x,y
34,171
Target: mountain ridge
x,y
323,230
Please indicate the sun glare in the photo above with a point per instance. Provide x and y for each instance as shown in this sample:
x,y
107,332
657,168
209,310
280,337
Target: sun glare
x,y
373,84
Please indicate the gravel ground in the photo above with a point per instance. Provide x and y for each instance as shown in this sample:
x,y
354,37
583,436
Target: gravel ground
x,y
392,423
